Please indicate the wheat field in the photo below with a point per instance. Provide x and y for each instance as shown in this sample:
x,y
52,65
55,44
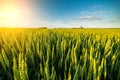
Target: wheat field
x,y
59,54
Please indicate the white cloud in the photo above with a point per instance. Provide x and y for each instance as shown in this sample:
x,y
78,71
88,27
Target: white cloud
x,y
112,21
97,6
98,12
92,13
91,18
85,12
88,18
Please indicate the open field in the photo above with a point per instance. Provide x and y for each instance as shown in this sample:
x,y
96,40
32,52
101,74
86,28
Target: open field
x,y
59,54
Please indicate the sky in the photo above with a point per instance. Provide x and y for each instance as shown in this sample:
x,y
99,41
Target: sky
x,y
60,13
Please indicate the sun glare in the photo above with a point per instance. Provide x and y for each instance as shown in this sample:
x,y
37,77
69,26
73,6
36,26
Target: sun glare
x,y
9,11
14,12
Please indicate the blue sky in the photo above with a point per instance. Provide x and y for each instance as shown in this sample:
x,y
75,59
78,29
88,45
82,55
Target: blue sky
x,y
71,13
86,13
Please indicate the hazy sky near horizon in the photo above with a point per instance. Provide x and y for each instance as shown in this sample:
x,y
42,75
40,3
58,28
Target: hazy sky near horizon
x,y
60,13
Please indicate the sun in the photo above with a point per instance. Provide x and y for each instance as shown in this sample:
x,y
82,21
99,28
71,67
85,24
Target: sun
x,y
9,11
9,14
15,12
